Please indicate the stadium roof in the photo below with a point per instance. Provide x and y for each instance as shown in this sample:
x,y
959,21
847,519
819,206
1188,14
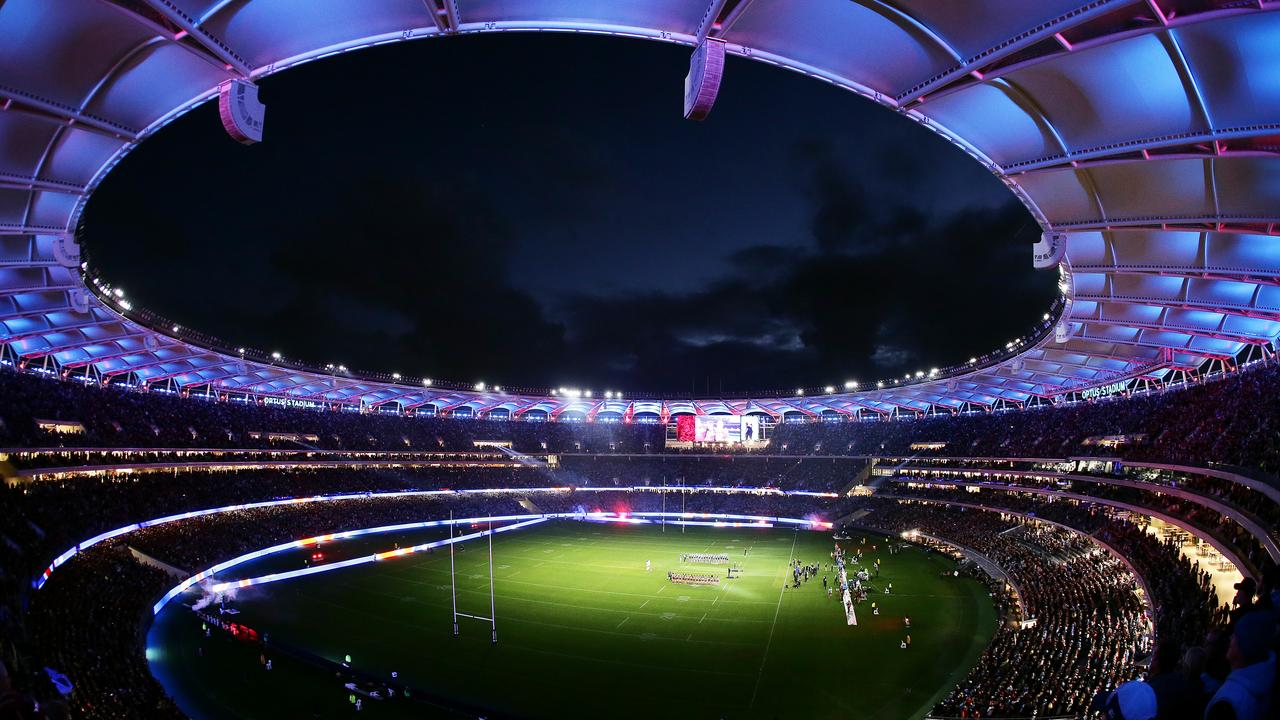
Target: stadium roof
x,y
1146,130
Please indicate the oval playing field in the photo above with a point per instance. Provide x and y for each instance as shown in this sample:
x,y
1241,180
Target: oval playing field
x,y
585,630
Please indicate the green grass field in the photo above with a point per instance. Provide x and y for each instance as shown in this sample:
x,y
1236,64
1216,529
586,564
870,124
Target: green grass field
x,y
584,630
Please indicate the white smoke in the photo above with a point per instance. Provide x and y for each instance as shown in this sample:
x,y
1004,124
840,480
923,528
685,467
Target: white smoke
x,y
209,597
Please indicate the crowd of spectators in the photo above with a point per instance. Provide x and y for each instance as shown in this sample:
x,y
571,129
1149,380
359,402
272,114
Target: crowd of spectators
x,y
1231,419
1088,632
1006,494
786,473
118,417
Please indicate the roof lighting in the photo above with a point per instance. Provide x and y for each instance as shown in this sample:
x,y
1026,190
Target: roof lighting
x,y
830,389
395,376
480,386
275,356
850,384
426,382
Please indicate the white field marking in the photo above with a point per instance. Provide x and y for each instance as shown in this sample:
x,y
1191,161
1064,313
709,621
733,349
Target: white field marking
x,y
624,622
664,587
774,626
526,621
646,602
405,576
689,638
553,603
704,617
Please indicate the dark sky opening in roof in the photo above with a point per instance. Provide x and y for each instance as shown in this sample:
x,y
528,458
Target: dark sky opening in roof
x,y
532,209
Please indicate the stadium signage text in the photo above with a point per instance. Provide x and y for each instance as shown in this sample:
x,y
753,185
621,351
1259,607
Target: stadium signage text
x,y
290,402
1104,390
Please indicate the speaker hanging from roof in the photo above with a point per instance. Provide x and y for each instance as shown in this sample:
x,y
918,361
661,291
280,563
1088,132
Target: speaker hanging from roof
x,y
242,115
702,84
1049,250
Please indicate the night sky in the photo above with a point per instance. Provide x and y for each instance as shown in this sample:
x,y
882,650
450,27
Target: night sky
x,y
531,209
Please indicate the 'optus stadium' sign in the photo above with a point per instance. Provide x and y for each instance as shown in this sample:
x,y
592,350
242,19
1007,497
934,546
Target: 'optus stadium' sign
x,y
1105,390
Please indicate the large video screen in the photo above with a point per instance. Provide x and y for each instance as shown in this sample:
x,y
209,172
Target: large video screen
x,y
718,428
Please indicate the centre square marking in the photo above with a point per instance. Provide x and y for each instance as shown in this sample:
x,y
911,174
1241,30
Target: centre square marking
x,y
668,616
683,598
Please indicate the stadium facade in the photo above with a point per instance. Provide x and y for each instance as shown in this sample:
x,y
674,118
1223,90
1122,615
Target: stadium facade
x,y
1142,135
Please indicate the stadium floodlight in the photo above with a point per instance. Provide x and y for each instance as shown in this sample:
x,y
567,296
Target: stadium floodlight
x,y
426,382
555,392
880,384
275,356
850,384
497,388
175,328
618,395
973,360
799,391
829,389
933,371
126,304
587,393
480,386
395,376
119,293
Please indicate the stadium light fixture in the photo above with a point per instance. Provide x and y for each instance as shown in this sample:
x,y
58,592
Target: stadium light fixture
x,y
830,389
850,384
973,360
275,356
426,382
395,376
119,293
799,391
880,384
241,350
587,393
480,386
176,328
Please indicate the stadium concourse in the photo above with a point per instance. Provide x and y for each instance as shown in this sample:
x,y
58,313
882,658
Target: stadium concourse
x,y
1109,477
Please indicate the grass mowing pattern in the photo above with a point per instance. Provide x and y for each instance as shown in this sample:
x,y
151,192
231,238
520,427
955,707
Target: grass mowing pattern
x,y
584,630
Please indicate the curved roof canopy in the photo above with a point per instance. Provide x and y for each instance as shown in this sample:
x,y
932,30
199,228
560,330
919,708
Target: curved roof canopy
x,y
1147,130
